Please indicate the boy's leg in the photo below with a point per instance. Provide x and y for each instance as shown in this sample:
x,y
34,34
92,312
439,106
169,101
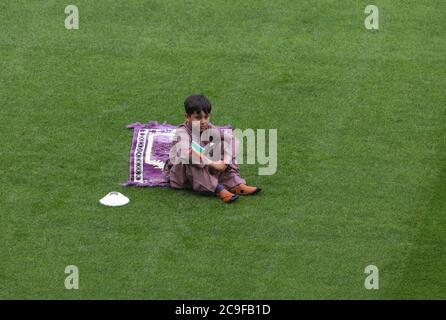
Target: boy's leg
x,y
205,180
200,178
231,177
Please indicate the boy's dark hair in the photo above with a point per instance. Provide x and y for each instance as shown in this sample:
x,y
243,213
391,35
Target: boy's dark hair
x,y
197,103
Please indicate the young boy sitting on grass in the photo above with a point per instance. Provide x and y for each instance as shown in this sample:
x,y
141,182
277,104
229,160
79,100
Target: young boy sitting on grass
x,y
193,168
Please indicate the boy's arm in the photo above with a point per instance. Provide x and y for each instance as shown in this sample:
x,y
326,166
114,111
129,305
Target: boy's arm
x,y
184,151
198,151
218,165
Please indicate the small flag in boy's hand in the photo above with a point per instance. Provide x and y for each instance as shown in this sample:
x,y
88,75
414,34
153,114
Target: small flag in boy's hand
x,y
199,152
197,148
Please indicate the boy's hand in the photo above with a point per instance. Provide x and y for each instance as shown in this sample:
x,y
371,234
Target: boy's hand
x,y
218,165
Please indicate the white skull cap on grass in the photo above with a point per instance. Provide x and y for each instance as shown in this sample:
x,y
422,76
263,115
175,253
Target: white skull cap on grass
x,y
114,199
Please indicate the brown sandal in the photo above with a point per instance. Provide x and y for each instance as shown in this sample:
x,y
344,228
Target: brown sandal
x,y
244,190
227,196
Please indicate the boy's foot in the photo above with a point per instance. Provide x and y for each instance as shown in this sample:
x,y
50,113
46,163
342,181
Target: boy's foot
x,y
227,196
244,190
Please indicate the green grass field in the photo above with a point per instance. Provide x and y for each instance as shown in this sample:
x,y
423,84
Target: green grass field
x,y
361,172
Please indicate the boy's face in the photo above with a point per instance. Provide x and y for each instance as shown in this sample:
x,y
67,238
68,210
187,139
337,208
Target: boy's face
x,y
202,118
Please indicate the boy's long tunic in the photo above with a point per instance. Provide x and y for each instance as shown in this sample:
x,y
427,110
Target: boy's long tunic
x,y
201,177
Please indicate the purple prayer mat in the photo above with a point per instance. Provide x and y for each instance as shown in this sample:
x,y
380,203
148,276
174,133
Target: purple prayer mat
x,y
150,150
